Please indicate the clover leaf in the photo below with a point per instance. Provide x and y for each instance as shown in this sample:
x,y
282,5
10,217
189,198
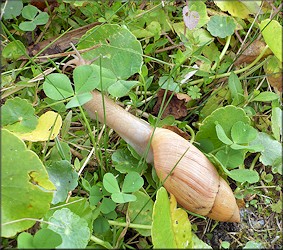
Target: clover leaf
x,y
58,86
35,17
132,182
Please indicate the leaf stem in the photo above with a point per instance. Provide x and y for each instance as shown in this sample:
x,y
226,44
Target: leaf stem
x,y
200,81
254,161
99,241
192,133
88,127
131,225
222,53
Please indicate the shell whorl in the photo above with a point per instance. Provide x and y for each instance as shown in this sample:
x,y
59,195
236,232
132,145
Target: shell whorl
x,y
194,181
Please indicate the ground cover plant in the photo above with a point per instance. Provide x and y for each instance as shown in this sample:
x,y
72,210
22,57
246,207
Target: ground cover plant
x,y
211,71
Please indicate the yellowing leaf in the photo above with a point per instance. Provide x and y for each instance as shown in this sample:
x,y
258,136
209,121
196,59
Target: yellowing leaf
x,y
181,225
268,29
235,8
162,233
48,127
273,70
171,227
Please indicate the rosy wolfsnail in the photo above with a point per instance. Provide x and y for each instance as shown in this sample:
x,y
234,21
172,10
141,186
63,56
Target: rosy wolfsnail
x,y
194,181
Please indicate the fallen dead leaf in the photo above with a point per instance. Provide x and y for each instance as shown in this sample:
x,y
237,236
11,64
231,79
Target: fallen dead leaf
x,y
251,52
175,107
177,131
273,71
62,43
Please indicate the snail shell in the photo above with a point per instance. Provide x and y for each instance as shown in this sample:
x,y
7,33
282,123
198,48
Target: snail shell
x,y
194,181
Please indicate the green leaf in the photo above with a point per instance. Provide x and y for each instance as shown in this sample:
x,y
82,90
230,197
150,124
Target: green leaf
x,y
166,82
79,100
122,197
243,133
107,206
162,229
18,115
110,183
107,78
244,175
253,245
41,18
61,151
140,212
277,207
63,177
84,78
14,50
235,8
72,228
265,96
226,117
58,86
25,240
231,158
235,87
271,155
78,205
181,225
12,9
117,44
225,244
276,122
171,227
198,243
26,189
95,195
268,29
29,12
27,26
221,26
200,8
121,88
124,162
44,238
222,135
101,225
132,182
251,148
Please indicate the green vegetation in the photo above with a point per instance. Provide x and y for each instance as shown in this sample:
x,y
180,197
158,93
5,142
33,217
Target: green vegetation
x,y
210,69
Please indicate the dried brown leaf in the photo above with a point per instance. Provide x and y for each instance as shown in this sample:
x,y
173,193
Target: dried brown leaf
x,y
251,52
175,107
177,131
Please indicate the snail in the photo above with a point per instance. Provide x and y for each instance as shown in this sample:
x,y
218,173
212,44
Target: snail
x,y
194,181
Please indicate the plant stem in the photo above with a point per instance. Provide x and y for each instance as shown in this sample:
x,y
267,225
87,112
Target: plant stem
x,y
131,225
200,81
254,161
192,133
222,53
88,127
99,241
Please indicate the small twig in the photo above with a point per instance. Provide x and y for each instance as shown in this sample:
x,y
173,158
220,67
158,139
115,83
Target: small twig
x,y
81,170
169,48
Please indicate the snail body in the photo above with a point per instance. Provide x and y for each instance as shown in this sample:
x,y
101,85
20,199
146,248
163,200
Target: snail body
x,y
184,169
